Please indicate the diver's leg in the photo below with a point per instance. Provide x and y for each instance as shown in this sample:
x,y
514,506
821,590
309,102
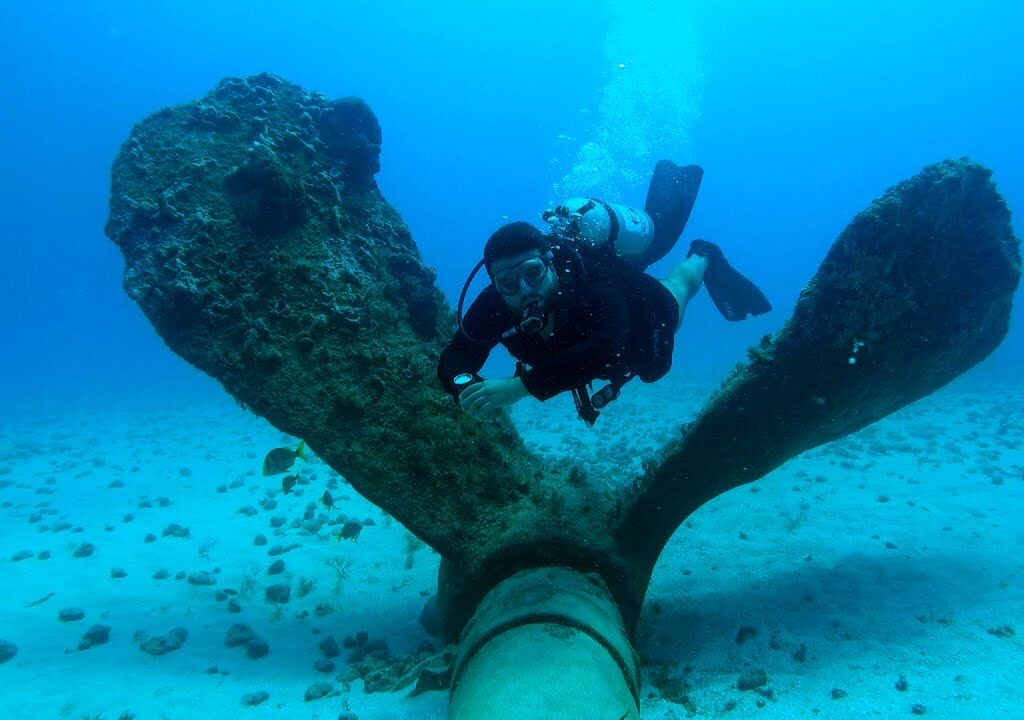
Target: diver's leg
x,y
684,281
670,198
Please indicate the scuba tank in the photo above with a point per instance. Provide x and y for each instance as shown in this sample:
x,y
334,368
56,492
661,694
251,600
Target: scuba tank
x,y
594,224
639,237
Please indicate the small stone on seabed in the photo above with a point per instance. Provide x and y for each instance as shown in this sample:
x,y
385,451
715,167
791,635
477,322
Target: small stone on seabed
x,y
917,709
279,593
257,648
255,698
176,530
96,635
329,647
745,633
319,691
163,644
239,634
71,614
752,679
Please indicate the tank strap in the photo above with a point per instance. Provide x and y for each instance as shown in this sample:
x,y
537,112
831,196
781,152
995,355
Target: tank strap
x,y
613,230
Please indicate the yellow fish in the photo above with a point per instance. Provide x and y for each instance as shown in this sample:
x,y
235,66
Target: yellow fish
x,y
281,459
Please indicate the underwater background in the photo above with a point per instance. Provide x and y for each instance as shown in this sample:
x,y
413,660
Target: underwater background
x,y
800,113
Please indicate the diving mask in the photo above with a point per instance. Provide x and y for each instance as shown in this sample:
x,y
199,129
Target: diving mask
x,y
528,273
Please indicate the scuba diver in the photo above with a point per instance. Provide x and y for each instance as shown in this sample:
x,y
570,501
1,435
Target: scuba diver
x,y
575,306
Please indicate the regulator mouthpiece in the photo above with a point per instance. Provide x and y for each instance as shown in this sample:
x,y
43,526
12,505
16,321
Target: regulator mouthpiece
x,y
532,319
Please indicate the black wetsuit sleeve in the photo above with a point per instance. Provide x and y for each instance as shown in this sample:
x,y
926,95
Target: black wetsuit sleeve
x,y
485,320
604,346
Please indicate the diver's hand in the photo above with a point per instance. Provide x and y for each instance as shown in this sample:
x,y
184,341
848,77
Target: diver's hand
x,y
487,396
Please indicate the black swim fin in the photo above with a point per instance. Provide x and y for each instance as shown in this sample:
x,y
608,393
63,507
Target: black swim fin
x,y
734,295
670,198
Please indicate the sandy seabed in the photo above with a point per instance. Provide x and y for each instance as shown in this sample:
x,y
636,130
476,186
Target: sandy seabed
x,y
878,576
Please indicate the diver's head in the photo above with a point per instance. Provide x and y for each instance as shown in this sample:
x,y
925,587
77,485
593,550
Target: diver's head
x,y
518,260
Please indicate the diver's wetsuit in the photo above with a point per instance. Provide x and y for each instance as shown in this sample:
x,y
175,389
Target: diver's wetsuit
x,y
612,323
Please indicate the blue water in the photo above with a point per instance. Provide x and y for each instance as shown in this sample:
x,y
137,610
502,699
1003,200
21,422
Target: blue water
x,y
800,112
